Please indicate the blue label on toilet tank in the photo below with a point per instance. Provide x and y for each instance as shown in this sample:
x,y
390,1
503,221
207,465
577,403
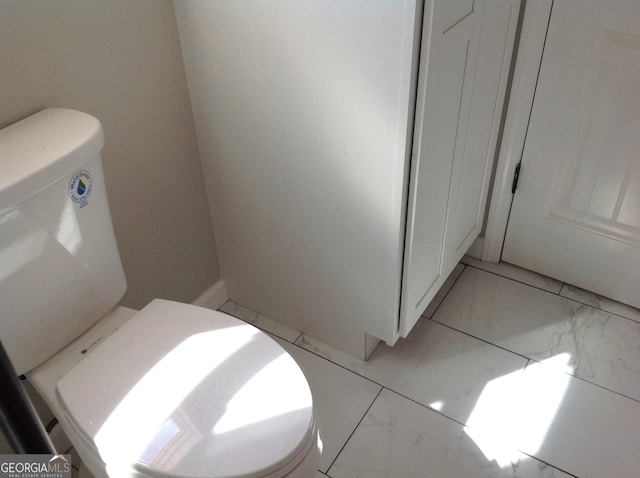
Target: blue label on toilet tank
x,y
80,187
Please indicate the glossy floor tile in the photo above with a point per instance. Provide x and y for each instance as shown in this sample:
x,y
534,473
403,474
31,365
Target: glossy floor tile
x,y
436,366
597,346
401,439
576,425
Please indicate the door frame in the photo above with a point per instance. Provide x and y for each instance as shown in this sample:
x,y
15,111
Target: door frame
x,y
535,22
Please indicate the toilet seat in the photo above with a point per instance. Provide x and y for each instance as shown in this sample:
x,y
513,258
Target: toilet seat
x,y
188,392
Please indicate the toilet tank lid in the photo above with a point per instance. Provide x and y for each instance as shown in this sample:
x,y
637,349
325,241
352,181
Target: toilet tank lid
x,y
184,391
38,150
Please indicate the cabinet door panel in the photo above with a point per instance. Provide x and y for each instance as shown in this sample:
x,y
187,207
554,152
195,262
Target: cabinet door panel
x,y
464,63
447,51
474,158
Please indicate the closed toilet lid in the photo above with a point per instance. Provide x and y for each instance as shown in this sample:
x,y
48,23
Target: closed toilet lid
x,y
189,392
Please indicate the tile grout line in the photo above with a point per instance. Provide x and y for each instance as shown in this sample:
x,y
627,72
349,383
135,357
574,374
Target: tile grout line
x,y
516,280
427,407
558,294
337,364
481,339
382,387
548,464
590,383
294,343
464,425
529,359
354,430
437,412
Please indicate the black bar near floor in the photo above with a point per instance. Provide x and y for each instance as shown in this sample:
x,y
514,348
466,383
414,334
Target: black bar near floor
x,y
18,419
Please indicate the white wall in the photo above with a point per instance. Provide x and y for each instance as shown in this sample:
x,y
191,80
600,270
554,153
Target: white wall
x,y
120,61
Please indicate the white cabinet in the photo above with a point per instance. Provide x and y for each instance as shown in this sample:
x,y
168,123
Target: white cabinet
x,y
305,117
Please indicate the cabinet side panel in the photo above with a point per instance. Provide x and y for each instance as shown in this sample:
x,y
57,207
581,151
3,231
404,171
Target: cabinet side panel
x,y
301,110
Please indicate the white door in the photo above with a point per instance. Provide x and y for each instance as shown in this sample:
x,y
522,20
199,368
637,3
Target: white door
x,y
464,64
576,210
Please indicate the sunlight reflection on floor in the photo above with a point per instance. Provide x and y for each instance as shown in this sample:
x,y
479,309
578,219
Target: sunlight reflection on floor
x,y
515,411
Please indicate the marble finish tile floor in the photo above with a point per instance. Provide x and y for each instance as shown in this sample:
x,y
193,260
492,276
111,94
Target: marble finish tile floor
x,y
508,374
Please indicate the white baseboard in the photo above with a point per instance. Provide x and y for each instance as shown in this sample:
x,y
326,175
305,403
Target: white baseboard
x,y
213,297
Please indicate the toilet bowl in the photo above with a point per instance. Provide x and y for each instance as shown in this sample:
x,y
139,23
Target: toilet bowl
x,y
172,390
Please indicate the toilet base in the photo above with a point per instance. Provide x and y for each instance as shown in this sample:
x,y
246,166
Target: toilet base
x,y
309,465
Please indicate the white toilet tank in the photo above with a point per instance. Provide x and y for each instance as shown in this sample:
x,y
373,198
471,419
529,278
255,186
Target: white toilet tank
x,y
60,270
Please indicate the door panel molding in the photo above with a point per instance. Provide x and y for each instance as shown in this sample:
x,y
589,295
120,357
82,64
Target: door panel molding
x,y
579,163
589,194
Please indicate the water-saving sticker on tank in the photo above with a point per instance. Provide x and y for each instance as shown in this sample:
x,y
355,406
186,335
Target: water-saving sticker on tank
x,y
80,187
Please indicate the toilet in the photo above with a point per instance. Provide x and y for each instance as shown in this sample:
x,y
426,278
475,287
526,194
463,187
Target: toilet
x,y
172,390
